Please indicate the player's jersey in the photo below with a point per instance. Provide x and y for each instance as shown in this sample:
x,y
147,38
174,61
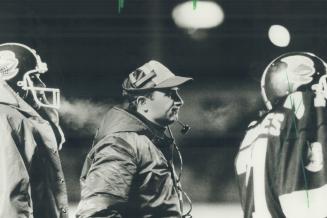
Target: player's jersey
x,y
282,165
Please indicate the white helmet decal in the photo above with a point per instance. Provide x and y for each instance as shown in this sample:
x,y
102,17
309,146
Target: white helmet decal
x,y
300,69
8,64
291,71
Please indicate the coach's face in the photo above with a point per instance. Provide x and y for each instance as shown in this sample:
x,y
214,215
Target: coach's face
x,y
164,105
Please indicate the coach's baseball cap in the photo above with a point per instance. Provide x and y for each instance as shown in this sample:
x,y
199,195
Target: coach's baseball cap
x,y
152,75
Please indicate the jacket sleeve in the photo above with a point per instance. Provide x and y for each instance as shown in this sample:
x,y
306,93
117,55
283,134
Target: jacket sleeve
x,y
15,200
107,180
256,171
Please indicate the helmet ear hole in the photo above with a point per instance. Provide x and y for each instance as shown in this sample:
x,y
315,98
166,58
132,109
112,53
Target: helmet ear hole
x,y
20,83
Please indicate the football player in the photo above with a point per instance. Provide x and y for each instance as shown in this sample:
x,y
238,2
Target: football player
x,y
282,161
32,182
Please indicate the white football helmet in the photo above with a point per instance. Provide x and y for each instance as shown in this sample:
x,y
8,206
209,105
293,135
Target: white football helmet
x,y
21,67
291,72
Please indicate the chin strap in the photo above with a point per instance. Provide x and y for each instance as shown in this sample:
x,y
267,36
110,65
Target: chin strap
x,y
189,202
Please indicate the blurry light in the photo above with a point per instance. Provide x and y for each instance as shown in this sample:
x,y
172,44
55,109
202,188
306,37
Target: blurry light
x,y
279,35
206,15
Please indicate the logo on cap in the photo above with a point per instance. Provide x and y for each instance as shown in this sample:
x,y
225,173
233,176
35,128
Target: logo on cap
x,y
152,75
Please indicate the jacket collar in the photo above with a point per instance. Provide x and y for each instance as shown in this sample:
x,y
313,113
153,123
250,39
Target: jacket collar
x,y
121,120
9,97
150,126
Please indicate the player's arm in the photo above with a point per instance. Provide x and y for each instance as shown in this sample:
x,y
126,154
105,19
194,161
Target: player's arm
x,y
255,167
107,183
15,198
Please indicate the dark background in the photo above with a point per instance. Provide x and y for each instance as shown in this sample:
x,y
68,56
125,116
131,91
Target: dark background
x,y
90,48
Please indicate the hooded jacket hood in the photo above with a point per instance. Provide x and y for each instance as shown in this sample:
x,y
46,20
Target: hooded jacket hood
x,y
9,97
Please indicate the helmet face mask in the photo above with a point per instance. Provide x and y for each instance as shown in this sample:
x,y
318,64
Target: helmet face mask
x,y
292,72
21,67
43,96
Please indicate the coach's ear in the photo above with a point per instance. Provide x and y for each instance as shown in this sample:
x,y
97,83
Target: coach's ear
x,y
141,104
141,100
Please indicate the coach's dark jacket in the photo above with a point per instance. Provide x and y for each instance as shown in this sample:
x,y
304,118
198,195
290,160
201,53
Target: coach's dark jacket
x,y
128,172
31,177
